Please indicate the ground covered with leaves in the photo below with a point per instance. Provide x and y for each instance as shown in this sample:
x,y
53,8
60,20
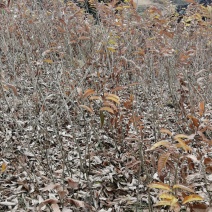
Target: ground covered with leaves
x,y
115,116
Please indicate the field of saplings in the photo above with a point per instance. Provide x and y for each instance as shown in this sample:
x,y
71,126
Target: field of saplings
x,y
104,108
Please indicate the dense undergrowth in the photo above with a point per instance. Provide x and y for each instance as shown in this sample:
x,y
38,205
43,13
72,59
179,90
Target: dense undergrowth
x,y
107,117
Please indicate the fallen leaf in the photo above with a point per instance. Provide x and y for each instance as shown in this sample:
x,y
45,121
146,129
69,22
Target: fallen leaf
x,y
192,198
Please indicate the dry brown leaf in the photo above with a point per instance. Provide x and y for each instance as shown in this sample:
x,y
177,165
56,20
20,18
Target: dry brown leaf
x,y
194,120
108,109
118,88
88,92
45,202
208,161
62,193
198,207
193,158
110,104
76,203
49,187
201,108
208,169
87,108
162,162
60,29
7,85
73,184
79,204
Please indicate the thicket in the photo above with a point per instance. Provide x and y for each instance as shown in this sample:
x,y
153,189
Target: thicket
x,y
114,116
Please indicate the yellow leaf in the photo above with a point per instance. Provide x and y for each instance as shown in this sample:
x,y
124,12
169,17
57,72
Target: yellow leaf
x,y
119,8
113,99
112,42
174,205
188,20
174,201
160,186
49,13
111,49
209,9
110,104
192,198
95,98
166,196
181,136
183,187
126,7
183,145
108,109
198,17
162,202
88,92
3,167
166,131
112,95
87,108
169,197
48,61
160,143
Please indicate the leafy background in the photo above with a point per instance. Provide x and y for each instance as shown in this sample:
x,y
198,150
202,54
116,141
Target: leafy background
x,y
107,117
